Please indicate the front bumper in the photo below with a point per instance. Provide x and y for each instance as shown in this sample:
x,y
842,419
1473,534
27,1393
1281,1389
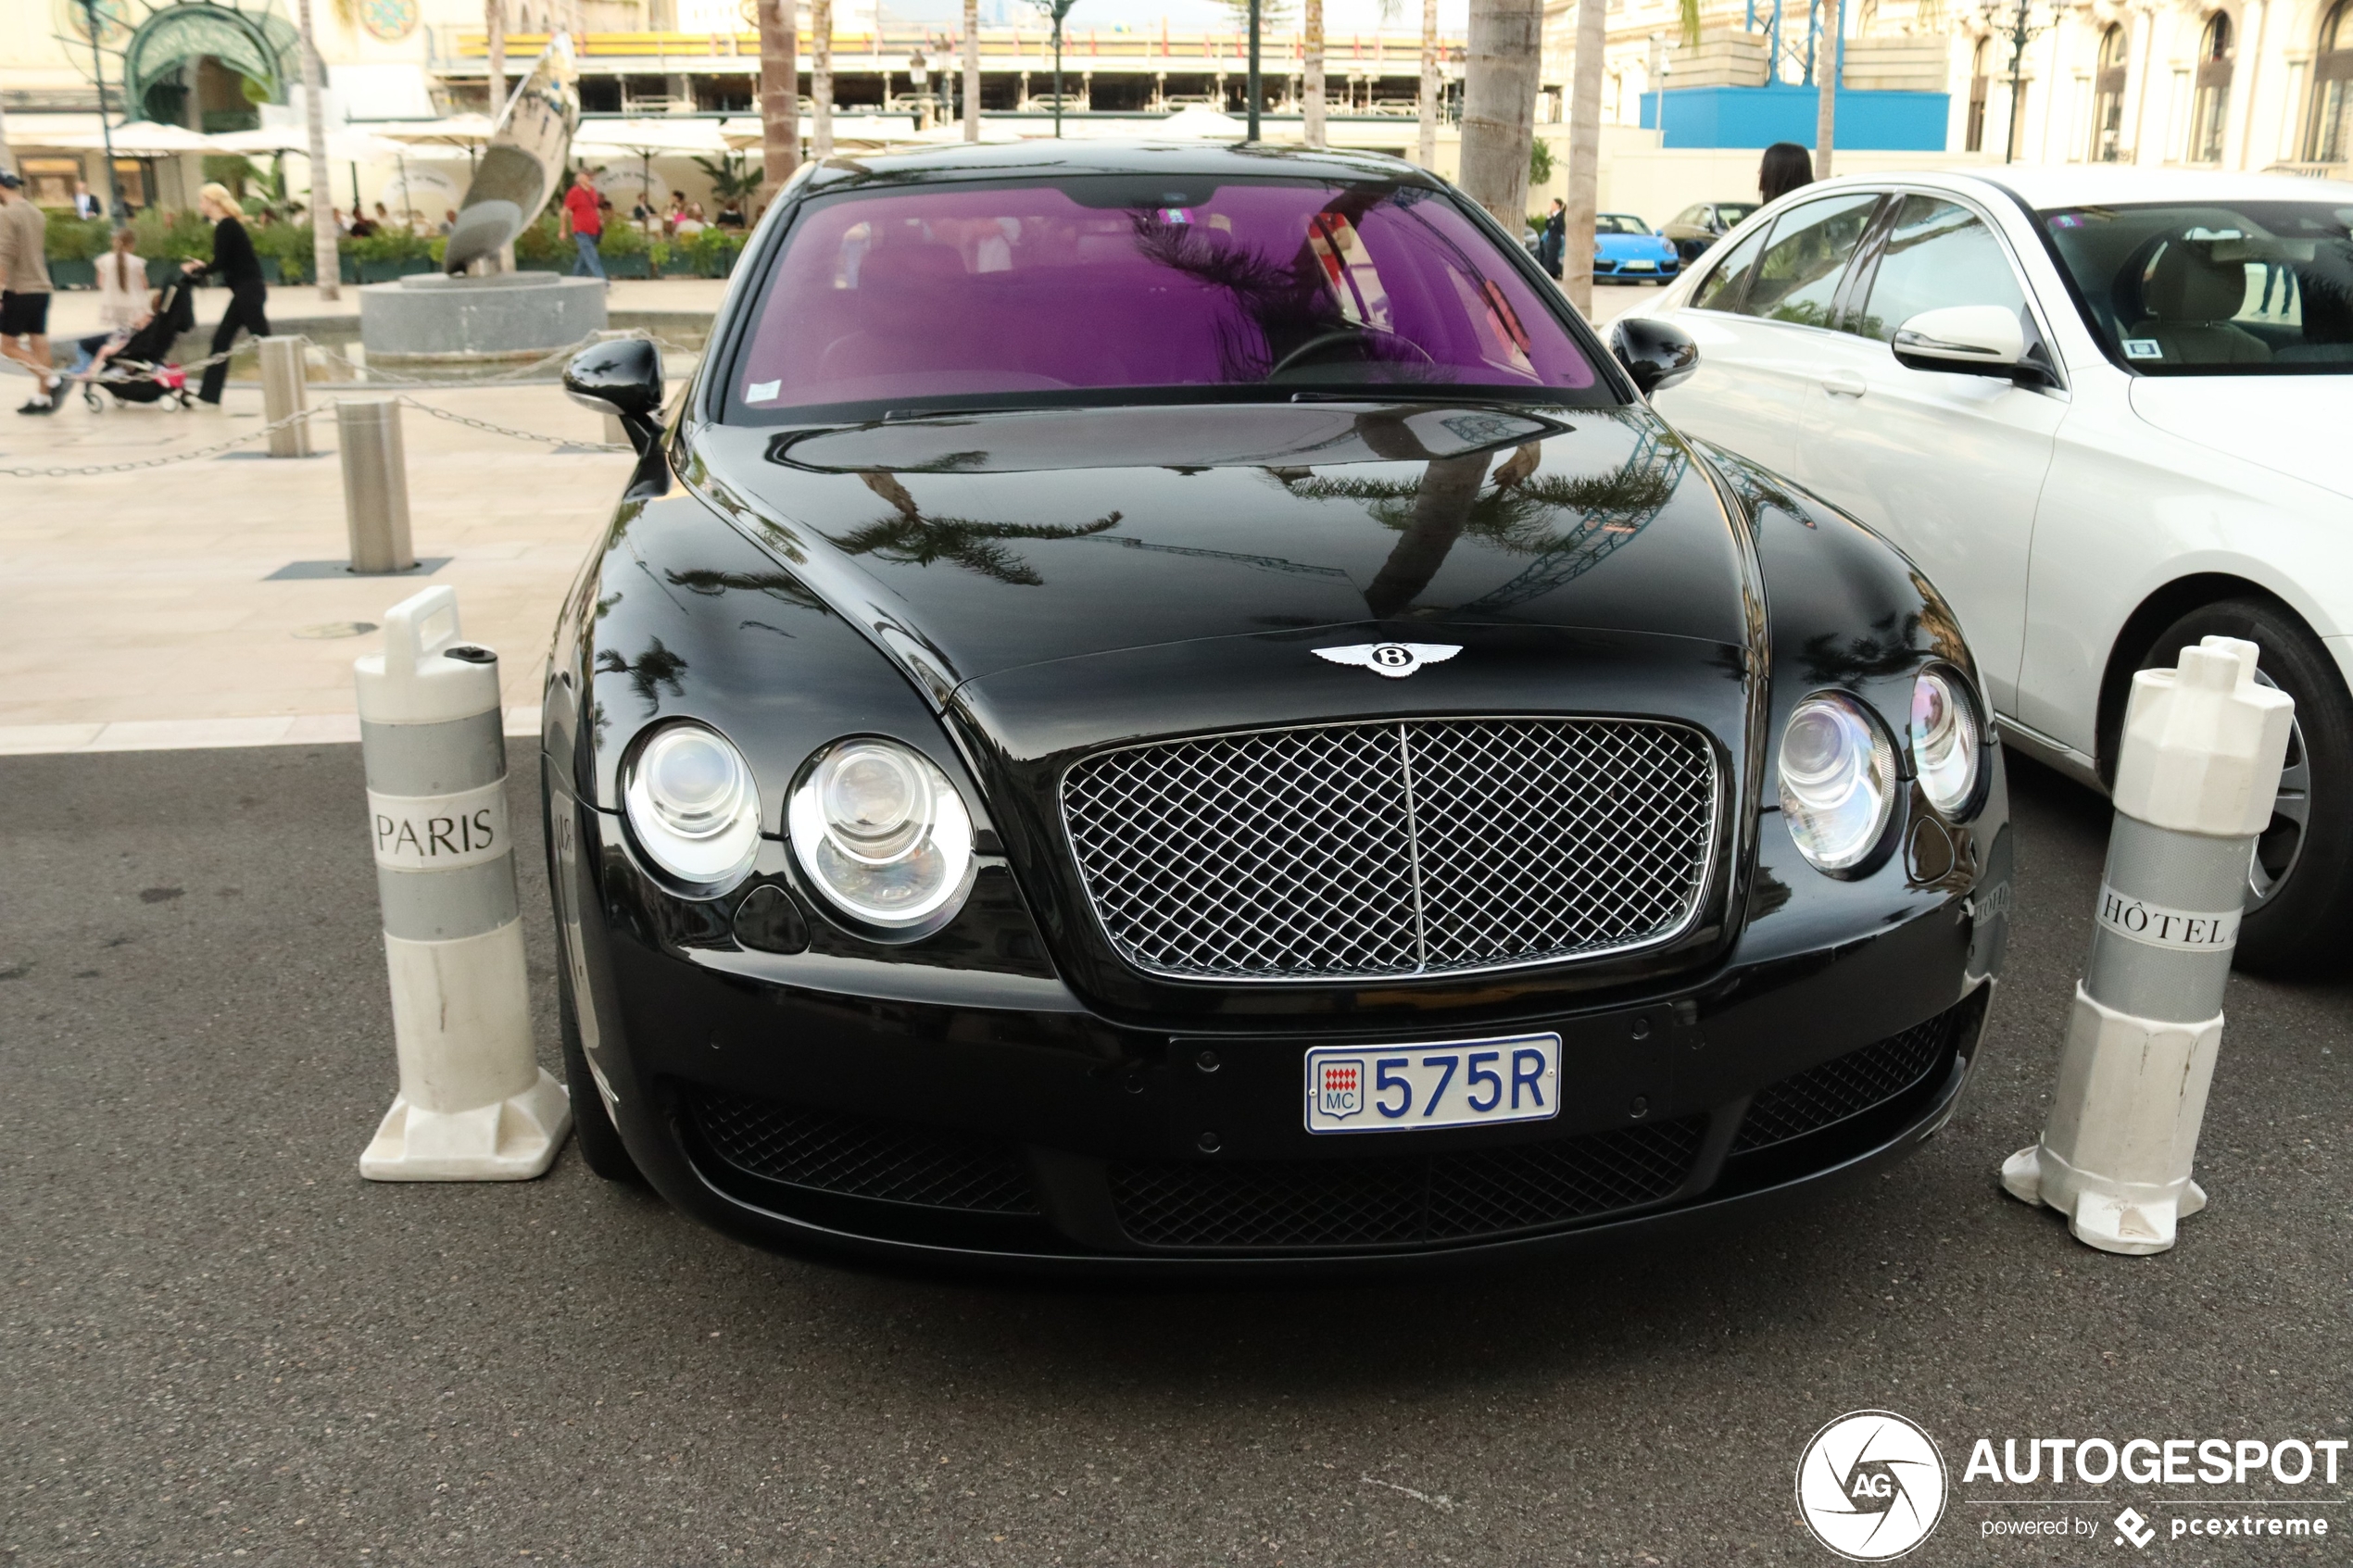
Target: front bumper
x,y
897,1111
1665,271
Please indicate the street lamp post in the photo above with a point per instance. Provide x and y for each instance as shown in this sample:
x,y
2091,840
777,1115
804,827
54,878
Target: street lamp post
x,y
1057,9
105,128
2015,23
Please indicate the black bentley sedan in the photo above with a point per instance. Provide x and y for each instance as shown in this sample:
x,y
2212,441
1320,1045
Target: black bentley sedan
x,y
1172,708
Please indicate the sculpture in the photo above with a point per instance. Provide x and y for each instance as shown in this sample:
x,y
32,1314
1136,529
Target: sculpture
x,y
518,171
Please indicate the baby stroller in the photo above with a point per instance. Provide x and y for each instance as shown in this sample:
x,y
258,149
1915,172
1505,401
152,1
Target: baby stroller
x,y
140,371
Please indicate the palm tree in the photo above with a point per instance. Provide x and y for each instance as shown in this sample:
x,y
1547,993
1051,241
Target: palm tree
x,y
820,78
493,20
779,92
972,71
1426,148
326,267
1311,72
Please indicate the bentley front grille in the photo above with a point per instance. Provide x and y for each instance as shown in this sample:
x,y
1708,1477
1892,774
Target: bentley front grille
x,y
1364,852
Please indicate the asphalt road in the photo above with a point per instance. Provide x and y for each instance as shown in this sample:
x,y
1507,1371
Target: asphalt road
x,y
217,1343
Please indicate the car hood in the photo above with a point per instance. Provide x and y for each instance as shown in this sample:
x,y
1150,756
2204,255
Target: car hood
x,y
980,542
2289,425
1633,246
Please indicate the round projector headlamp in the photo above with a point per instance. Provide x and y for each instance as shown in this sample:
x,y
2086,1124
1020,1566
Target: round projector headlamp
x,y
1948,744
693,806
882,833
1838,781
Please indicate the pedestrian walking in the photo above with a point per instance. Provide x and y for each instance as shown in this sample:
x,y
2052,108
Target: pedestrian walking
x,y
233,260
1786,167
24,291
587,225
1553,245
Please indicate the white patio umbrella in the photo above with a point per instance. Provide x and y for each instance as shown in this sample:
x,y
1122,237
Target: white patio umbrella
x,y
1200,122
455,131
141,138
642,138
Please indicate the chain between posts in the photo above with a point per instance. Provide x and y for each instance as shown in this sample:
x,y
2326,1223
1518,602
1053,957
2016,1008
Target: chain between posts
x,y
296,416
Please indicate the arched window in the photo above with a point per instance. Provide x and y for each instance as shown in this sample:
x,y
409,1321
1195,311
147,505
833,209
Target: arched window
x,y
2331,139
2108,97
1979,73
2213,103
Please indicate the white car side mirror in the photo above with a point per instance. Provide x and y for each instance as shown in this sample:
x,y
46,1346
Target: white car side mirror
x,y
1983,340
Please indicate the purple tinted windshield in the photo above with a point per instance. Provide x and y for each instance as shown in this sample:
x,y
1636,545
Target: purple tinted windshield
x,y
966,290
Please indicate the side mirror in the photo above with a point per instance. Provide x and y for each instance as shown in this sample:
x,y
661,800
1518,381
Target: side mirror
x,y
624,378
1656,354
1974,340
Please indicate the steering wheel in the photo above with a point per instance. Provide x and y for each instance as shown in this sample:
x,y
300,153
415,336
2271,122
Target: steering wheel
x,y
1322,340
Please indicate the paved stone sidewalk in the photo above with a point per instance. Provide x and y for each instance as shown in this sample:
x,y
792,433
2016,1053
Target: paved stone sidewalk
x,y
138,609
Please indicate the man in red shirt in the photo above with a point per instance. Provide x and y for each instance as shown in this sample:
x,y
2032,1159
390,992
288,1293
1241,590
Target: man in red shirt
x,y
586,225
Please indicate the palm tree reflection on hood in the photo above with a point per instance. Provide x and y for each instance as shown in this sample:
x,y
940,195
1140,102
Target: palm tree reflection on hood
x,y
913,539
1521,513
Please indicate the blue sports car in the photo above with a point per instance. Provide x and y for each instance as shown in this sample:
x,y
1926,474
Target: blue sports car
x,y
1624,247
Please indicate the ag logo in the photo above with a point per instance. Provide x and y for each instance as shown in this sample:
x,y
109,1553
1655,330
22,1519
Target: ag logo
x,y
1871,1485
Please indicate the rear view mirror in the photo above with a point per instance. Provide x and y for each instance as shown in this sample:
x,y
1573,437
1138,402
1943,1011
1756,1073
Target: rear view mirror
x,y
1656,354
1981,340
622,378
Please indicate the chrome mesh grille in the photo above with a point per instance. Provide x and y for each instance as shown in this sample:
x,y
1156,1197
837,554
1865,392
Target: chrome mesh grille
x,y
1422,846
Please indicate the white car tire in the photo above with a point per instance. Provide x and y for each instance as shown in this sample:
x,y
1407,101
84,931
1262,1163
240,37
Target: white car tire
x,y
2301,899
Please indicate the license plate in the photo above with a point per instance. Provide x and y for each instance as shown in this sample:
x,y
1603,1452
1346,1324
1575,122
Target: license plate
x,y
1454,1084
1641,266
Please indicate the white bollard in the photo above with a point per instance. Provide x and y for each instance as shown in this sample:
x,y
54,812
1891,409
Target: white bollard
x,y
2195,782
474,1104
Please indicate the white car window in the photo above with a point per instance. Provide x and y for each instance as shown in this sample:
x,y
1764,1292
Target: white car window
x,y
1720,290
1938,253
1798,275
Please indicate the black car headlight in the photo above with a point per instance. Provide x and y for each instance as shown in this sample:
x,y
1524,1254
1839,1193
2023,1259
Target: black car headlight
x,y
882,833
1948,741
1838,781
692,805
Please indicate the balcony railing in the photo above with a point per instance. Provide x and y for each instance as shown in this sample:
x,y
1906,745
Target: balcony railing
x,y
1394,53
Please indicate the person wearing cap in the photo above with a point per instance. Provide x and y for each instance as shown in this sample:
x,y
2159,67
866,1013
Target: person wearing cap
x,y
24,292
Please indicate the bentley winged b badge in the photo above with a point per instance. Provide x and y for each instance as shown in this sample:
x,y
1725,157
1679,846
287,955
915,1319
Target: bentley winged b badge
x,y
1395,660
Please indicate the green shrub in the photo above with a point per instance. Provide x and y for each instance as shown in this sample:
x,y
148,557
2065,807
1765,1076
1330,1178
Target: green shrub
x,y
389,245
289,244
174,236
75,239
621,239
540,242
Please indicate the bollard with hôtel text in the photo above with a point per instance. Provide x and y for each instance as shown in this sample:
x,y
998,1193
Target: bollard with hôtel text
x,y
2195,777
475,1103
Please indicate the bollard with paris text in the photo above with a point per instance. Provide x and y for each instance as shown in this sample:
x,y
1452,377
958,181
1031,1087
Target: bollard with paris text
x,y
2195,777
474,1104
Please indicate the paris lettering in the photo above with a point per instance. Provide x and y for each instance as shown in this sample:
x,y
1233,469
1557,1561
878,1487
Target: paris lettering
x,y
438,832
442,835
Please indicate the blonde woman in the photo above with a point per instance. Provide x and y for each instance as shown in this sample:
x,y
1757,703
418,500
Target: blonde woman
x,y
234,259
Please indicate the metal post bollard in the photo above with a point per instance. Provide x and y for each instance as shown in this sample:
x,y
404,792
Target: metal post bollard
x,y
2200,764
375,484
474,1104
284,391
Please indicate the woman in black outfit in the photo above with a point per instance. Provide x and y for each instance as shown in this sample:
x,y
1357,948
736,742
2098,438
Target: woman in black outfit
x,y
234,259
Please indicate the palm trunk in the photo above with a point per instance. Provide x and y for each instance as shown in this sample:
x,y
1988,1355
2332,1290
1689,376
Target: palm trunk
x,y
1499,106
1826,75
972,71
821,77
779,94
1584,153
326,264
1312,70
1426,145
494,18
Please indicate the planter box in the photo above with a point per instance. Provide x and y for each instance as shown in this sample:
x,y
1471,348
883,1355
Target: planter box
x,y
82,274
637,266
401,267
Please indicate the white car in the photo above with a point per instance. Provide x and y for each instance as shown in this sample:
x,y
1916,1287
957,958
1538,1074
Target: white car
x,y
2106,412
